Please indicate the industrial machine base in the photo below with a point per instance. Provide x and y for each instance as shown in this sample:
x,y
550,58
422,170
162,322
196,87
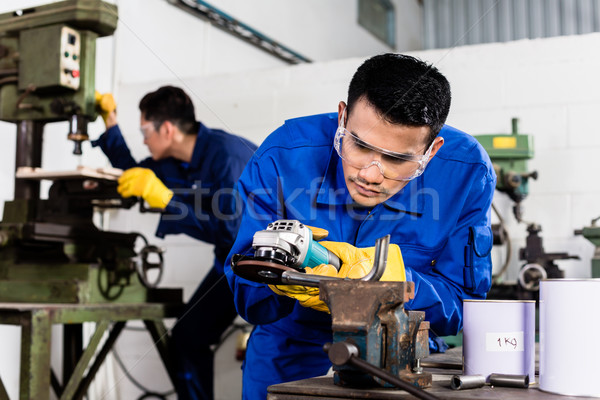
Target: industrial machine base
x,y
36,320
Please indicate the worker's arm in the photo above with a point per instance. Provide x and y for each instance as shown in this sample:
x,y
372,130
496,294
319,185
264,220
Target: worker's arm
x,y
112,142
114,147
463,270
258,190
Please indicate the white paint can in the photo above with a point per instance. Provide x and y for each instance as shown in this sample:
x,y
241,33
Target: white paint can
x,y
569,329
499,337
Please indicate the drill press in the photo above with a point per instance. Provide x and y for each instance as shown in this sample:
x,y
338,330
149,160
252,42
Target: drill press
x,y
50,250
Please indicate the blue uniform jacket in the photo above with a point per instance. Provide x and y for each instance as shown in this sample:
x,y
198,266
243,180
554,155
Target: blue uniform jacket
x,y
441,221
203,205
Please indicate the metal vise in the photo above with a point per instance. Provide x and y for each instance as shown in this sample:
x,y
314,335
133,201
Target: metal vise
x,y
370,324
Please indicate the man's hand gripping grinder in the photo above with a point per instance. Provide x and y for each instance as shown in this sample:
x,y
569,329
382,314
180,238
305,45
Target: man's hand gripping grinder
x,y
286,245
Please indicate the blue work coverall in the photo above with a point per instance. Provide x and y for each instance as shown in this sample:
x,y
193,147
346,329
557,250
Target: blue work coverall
x,y
203,207
441,221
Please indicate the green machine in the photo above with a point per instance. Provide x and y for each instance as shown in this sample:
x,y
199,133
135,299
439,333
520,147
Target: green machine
x,y
50,250
510,154
592,233
56,266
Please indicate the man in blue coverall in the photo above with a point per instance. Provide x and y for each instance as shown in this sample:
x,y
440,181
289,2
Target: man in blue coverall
x,y
190,175
385,163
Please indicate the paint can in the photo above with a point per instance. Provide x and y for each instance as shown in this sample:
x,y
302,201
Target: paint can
x,y
499,338
569,329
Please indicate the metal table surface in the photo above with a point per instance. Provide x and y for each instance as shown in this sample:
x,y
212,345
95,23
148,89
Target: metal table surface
x,y
36,320
323,387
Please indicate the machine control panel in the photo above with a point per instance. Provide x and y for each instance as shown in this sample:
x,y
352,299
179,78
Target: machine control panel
x,y
50,58
69,55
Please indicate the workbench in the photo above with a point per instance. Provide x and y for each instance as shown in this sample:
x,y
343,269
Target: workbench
x,y
323,387
36,320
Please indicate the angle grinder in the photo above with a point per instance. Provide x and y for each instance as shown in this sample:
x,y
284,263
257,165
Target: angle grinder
x,y
286,245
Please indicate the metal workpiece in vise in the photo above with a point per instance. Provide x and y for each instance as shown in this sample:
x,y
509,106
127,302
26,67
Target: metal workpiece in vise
x,y
47,64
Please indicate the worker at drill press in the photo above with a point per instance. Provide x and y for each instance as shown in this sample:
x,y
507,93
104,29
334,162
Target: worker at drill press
x,y
385,163
190,175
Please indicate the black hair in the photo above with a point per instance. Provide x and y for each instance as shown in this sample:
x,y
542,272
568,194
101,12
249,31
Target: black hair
x,y
170,103
404,90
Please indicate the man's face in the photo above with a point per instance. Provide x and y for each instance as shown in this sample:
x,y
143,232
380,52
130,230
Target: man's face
x,y
156,140
367,186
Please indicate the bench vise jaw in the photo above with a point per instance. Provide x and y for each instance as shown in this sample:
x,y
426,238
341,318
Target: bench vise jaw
x,y
369,316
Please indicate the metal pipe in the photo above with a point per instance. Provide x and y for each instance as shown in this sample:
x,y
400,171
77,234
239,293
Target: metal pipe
x,y
380,260
516,381
460,382
299,278
379,264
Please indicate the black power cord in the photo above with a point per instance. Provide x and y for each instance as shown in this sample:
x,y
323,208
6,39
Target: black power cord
x,y
148,394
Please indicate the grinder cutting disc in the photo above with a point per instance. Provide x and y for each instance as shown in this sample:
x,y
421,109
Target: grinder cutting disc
x,y
258,269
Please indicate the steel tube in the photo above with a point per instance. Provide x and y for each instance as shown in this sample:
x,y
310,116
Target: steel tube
x,y
379,264
516,381
460,382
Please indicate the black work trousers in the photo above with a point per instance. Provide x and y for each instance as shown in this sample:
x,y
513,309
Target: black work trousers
x,y
204,319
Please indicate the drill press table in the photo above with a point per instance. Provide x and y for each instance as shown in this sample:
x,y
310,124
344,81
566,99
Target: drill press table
x,y
323,387
36,320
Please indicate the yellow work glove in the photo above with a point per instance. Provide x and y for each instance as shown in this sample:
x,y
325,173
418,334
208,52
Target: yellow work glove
x,y
142,182
307,296
105,105
318,233
356,263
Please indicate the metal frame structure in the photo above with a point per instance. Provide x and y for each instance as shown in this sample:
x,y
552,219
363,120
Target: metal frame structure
x,y
36,320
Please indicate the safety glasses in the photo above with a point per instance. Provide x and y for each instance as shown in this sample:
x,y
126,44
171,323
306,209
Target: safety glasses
x,y
392,165
147,129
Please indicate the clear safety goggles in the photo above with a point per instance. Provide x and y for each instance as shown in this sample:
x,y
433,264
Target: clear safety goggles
x,y
147,129
392,165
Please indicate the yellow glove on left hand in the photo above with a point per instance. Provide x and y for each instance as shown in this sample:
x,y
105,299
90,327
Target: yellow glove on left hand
x,y
307,296
142,182
356,263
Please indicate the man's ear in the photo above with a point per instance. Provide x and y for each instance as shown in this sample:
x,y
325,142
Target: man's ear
x,y
341,113
437,144
169,129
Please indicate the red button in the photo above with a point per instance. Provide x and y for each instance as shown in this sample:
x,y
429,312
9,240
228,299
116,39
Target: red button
x,y
75,73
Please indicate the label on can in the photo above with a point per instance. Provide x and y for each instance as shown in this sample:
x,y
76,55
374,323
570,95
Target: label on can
x,y
504,341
